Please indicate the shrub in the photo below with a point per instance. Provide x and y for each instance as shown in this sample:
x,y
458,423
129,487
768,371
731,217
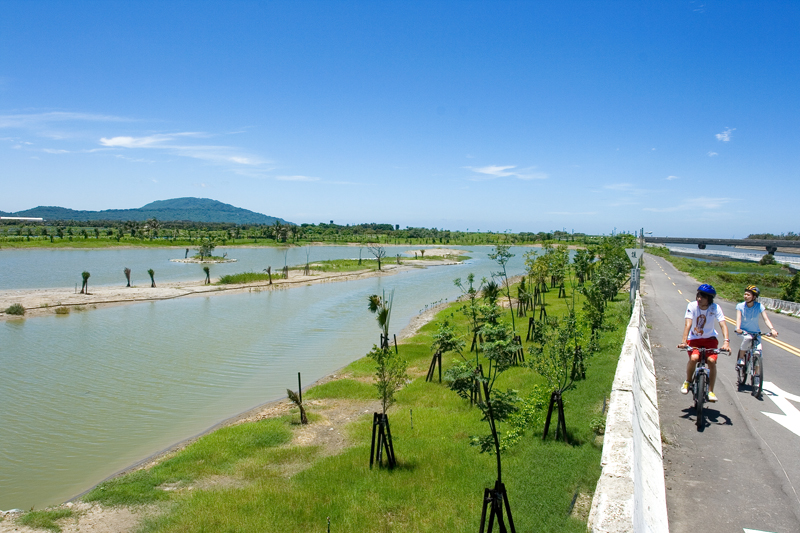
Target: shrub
x,y
767,259
791,291
15,309
62,310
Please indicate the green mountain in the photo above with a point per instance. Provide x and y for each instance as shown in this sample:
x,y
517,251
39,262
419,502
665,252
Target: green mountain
x,y
176,209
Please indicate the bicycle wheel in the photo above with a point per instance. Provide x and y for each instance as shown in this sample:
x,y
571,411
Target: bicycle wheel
x,y
741,374
699,398
758,376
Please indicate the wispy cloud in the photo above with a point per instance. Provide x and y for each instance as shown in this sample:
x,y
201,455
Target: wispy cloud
x,y
167,142
692,204
725,136
627,187
296,178
495,171
38,120
712,154
670,178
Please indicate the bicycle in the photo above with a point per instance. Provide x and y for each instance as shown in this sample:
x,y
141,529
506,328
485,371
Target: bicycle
x,y
753,366
699,383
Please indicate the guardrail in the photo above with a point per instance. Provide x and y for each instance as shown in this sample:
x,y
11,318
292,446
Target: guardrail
x,y
790,308
630,494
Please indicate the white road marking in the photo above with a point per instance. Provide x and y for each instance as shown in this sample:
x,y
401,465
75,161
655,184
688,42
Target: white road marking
x,y
790,419
754,531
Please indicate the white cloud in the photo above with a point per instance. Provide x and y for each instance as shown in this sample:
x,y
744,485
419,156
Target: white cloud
x,y
211,153
36,120
670,178
628,187
296,178
712,154
496,171
566,213
693,204
725,136
52,151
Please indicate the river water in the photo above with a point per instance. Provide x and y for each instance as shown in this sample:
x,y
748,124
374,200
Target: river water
x,y
87,394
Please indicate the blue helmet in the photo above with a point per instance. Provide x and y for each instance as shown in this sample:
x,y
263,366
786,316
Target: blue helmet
x,y
705,288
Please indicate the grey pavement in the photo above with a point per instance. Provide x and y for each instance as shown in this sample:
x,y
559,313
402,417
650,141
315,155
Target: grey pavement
x,y
742,470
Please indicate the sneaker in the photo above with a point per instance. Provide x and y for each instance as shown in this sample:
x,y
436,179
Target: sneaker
x,y
712,397
685,388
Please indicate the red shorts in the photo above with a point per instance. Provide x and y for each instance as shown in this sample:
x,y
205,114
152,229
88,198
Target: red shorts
x,y
710,342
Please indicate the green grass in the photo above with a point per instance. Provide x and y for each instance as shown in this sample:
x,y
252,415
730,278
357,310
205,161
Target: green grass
x,y
345,265
729,278
246,277
44,519
438,484
437,258
225,451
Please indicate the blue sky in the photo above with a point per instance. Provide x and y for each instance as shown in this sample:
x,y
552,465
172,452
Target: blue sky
x,y
681,117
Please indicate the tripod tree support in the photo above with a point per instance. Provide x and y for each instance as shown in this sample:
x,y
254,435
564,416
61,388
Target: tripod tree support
x,y
381,441
436,360
556,402
496,500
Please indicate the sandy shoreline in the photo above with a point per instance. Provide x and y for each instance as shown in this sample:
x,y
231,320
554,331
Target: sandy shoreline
x,y
42,302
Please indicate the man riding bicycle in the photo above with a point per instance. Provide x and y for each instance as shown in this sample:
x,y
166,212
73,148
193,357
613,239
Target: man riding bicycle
x,y
747,313
699,332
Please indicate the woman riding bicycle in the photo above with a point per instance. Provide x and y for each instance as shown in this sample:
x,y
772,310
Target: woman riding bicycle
x,y
747,313
699,332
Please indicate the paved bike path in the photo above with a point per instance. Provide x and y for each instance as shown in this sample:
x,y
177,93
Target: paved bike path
x,y
742,471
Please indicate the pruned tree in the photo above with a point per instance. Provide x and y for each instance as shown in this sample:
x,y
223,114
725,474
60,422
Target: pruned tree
x,y
390,375
151,272
499,349
444,340
378,251
127,272
501,256
557,358
582,262
471,309
207,270
206,248
85,286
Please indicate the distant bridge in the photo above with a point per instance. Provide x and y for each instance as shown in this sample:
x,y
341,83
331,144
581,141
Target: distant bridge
x,y
771,245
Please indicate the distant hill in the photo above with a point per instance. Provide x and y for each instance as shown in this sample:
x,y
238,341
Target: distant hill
x,y
176,209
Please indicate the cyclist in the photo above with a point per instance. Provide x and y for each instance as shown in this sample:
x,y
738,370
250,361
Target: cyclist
x,y
747,313
699,332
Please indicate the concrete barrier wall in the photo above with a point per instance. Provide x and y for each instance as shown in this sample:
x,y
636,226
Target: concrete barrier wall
x,y
630,495
790,308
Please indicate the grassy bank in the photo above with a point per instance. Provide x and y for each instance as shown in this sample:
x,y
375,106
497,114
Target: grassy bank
x,y
730,278
250,477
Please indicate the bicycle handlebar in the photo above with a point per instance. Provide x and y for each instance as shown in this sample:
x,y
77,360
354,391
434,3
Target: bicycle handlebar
x,y
758,333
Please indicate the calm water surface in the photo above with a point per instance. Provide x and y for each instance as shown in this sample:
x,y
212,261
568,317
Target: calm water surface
x,y
87,394
48,268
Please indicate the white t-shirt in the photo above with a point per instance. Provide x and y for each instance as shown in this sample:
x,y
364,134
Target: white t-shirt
x,y
703,321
